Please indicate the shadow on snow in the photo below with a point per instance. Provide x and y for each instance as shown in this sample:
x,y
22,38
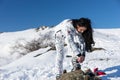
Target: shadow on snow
x,y
114,72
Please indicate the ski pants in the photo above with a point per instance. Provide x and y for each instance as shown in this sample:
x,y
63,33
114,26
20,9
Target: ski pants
x,y
59,44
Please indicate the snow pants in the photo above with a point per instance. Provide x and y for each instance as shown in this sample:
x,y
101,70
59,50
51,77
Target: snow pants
x,y
59,44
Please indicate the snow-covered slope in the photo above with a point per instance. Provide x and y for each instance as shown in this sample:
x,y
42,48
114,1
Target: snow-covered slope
x,y
9,39
28,67
14,45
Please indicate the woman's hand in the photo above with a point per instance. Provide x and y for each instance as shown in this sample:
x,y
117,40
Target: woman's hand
x,y
81,59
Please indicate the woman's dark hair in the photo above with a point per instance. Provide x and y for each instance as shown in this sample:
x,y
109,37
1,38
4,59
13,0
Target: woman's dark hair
x,y
88,34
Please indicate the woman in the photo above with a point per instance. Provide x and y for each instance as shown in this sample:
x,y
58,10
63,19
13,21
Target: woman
x,y
77,33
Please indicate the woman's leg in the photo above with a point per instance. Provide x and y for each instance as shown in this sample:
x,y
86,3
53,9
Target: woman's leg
x,y
59,43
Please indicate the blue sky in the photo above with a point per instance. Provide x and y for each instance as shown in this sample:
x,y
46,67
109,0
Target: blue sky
x,y
16,15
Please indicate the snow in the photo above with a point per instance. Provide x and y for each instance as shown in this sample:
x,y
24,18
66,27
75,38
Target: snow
x,y
27,67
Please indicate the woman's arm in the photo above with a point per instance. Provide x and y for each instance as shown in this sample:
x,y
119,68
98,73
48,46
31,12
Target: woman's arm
x,y
70,33
81,44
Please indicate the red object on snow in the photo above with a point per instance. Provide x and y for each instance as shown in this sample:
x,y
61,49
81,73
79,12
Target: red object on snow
x,y
101,73
97,72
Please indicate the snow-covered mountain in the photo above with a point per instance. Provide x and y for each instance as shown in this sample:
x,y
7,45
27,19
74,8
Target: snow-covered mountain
x,y
14,45
18,51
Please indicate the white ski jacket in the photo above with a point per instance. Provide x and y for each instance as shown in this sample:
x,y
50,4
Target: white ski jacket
x,y
74,40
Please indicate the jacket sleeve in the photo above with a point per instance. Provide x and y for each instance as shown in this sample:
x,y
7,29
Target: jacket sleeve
x,y
70,41
83,49
81,45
